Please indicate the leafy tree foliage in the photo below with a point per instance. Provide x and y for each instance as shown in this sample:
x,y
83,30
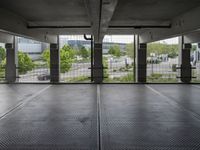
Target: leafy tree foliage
x,y
105,65
157,48
130,50
194,48
66,58
83,52
46,56
2,54
115,50
25,63
67,54
162,48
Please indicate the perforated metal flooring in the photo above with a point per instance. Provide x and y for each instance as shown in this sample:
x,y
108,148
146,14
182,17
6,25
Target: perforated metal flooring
x,y
59,117
92,117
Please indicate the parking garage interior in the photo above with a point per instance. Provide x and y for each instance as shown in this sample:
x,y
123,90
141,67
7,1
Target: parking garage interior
x,y
99,75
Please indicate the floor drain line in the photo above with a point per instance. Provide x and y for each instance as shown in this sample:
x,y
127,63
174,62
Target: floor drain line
x,y
21,104
99,131
173,102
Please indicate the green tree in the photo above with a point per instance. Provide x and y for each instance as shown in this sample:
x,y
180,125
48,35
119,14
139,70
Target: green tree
x,y
25,62
194,48
2,54
105,65
162,48
84,52
115,50
130,50
67,54
46,56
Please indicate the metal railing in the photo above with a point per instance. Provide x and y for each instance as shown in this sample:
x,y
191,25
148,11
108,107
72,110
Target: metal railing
x,y
163,72
2,74
196,73
119,71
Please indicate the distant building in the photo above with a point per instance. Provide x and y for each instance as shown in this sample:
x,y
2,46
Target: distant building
x,y
31,47
77,44
35,48
107,45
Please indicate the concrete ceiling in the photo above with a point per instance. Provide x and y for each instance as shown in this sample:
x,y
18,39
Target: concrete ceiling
x,y
152,10
99,17
49,12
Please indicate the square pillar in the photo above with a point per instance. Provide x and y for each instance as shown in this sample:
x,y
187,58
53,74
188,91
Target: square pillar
x,y
186,68
10,63
141,66
54,63
98,63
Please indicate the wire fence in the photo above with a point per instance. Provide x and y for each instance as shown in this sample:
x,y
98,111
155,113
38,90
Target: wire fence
x,y
79,72
38,74
2,74
196,73
163,71
119,70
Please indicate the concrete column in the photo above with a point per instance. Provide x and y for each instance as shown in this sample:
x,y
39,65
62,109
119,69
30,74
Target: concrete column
x,y
54,63
141,67
10,63
98,63
186,68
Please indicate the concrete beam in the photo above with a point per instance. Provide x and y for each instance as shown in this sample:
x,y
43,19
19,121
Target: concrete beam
x,y
192,37
138,22
124,31
16,25
6,38
94,13
180,25
100,13
107,11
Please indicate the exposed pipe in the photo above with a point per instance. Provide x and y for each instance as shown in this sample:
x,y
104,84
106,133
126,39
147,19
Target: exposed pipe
x,y
86,38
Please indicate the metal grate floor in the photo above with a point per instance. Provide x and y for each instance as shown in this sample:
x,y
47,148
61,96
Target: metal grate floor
x,y
92,117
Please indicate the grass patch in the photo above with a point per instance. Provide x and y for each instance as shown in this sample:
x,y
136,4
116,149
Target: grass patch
x,y
77,79
158,78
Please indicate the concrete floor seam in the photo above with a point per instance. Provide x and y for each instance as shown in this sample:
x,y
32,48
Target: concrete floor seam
x,y
174,103
23,102
99,134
